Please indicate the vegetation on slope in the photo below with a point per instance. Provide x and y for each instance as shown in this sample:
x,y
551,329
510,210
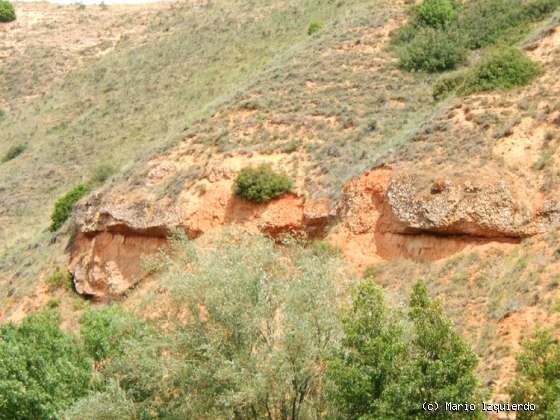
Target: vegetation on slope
x,y
138,98
244,328
261,184
7,11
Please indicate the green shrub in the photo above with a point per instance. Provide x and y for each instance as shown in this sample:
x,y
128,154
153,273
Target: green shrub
x,y
64,206
7,11
105,331
436,13
261,184
59,278
13,152
504,68
432,51
314,27
42,369
538,377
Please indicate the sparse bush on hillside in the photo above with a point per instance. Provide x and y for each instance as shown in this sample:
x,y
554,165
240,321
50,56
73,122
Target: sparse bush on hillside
x,y
314,27
106,330
436,13
42,369
261,184
64,206
102,173
432,51
58,279
13,152
7,11
538,377
382,373
504,68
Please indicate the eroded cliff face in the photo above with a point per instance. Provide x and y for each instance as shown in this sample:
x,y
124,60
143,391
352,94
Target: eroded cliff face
x,y
383,214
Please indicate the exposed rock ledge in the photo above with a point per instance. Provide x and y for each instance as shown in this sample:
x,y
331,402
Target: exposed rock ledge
x,y
381,214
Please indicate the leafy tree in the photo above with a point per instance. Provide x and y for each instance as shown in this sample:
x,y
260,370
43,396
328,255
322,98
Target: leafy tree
x,y
261,184
246,335
42,369
440,368
387,371
538,377
373,349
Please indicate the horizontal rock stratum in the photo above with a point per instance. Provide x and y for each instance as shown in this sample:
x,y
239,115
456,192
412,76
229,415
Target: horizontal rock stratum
x,y
385,213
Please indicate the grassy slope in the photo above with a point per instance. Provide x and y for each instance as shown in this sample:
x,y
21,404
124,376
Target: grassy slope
x,y
134,100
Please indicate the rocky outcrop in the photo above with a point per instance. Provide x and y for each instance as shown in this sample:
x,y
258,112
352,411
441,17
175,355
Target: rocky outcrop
x,y
385,213
113,237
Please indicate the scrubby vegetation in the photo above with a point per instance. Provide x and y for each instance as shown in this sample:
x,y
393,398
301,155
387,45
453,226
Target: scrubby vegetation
x,y
502,69
432,50
7,11
261,184
64,206
59,278
440,31
42,369
13,152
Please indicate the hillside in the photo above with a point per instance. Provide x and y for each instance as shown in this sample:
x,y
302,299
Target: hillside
x,y
398,175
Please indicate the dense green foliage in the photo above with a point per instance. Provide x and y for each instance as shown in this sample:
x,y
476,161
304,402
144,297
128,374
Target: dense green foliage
x,y
64,206
261,184
7,11
432,50
504,68
538,377
436,13
42,369
474,25
384,373
105,331
13,152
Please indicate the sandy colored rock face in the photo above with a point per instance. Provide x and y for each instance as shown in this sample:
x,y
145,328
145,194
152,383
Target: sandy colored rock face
x,y
383,214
